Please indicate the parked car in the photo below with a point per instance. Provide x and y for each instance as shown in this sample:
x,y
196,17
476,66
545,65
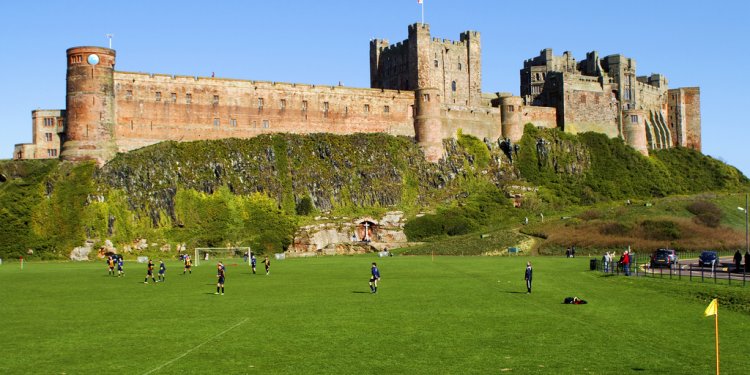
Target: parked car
x,y
664,258
708,258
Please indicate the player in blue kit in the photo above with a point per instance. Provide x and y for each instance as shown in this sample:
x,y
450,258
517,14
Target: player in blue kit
x,y
120,271
253,262
375,276
220,276
149,272
162,270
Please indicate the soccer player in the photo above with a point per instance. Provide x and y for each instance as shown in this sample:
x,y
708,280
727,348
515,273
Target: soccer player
x,y
527,277
267,263
375,276
120,271
188,265
220,276
162,270
111,265
253,261
149,272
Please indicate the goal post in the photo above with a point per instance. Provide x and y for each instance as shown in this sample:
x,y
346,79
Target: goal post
x,y
203,254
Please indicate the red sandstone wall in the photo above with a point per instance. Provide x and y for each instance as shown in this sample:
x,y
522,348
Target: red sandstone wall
x,y
142,119
545,117
590,110
692,112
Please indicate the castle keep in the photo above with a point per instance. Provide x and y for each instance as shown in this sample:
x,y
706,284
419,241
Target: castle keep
x,y
422,87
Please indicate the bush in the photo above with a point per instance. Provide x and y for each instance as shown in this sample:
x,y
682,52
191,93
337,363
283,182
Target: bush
x,y
706,213
661,230
304,206
590,215
615,229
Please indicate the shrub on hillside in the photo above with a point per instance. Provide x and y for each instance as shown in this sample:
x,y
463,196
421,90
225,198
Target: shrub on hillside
x,y
706,213
661,230
304,206
615,229
590,215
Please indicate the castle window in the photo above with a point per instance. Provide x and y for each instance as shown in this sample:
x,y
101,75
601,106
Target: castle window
x,y
255,124
217,122
453,86
51,152
188,98
387,109
233,122
49,121
260,104
634,119
436,63
60,123
367,108
304,106
129,95
173,96
459,66
216,99
411,111
283,104
346,110
511,108
158,96
425,97
48,137
266,124
325,109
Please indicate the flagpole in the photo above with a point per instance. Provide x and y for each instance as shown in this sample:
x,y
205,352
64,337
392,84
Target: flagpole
x,y
716,324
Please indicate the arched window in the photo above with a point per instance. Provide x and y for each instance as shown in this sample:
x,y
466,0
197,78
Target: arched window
x,y
459,66
436,63
453,86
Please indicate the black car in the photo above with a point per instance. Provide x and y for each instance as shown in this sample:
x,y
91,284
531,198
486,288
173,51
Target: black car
x,y
708,258
663,258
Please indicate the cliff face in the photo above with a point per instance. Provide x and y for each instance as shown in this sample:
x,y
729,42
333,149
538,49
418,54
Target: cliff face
x,y
355,171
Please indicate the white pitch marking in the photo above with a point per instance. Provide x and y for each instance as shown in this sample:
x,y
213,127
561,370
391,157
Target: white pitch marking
x,y
196,347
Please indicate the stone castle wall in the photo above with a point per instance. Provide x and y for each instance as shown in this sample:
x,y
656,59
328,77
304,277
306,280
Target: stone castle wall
x,y
154,108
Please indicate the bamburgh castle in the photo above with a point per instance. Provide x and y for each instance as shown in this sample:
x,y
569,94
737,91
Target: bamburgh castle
x,y
422,87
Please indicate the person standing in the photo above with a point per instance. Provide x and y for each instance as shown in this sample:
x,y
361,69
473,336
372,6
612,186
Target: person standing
x,y
737,261
188,265
149,272
120,271
626,262
606,259
527,276
253,262
267,263
111,265
162,270
374,277
220,276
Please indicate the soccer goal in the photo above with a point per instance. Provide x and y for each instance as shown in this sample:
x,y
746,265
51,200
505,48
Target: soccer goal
x,y
207,254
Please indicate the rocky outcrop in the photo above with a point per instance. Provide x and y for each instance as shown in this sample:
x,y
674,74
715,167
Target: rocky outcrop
x,y
361,235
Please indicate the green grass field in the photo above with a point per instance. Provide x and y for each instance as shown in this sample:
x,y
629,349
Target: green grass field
x,y
453,315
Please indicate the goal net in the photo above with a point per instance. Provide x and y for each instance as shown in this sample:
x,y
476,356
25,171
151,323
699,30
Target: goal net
x,y
220,254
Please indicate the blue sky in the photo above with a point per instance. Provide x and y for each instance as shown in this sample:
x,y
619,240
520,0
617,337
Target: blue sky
x,y
325,42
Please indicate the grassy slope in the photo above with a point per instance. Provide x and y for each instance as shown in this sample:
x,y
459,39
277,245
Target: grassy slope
x,y
453,315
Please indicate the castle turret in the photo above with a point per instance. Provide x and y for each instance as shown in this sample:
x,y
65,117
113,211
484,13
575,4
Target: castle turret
x,y
428,128
474,56
510,109
634,130
90,104
376,47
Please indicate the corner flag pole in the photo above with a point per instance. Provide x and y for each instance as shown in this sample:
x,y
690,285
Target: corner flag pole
x,y
713,309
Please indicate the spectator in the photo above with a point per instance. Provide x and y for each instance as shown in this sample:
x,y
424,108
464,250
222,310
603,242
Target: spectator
x,y
737,260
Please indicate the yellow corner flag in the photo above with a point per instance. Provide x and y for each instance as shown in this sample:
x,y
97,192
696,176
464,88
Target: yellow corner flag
x,y
712,308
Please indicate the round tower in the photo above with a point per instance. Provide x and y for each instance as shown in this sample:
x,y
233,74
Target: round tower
x,y
428,127
634,130
510,110
90,105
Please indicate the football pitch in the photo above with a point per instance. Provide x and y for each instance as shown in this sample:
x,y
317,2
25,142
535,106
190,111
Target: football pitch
x,y
450,315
